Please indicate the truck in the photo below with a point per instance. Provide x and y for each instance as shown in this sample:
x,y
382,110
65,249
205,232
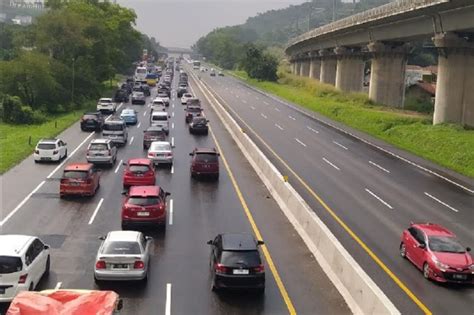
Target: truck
x,y
65,302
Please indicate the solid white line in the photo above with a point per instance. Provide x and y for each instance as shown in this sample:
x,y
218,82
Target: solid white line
x,y
291,117
69,155
333,165
172,169
21,203
380,167
244,101
58,285
277,109
96,210
379,199
172,105
441,202
144,113
313,130
139,124
168,299
279,127
300,142
172,125
266,103
171,212
263,115
252,107
131,140
338,144
120,106
118,166
172,141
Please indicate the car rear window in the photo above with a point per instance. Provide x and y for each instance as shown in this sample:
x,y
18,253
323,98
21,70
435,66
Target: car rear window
x,y
9,264
89,117
113,127
137,168
75,174
194,109
143,201
154,133
121,248
160,147
199,120
206,157
47,146
232,258
98,146
158,118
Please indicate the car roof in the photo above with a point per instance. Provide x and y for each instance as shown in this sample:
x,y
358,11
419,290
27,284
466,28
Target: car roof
x,y
128,110
101,141
51,140
92,113
105,99
205,150
123,236
139,161
157,113
78,167
13,244
144,191
432,229
115,121
154,128
238,241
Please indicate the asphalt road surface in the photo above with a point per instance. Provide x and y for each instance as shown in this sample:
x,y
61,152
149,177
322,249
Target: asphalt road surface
x,y
179,266
374,193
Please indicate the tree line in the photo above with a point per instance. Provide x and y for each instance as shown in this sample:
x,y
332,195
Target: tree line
x,y
61,61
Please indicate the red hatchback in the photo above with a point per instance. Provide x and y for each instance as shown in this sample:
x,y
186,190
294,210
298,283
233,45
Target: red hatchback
x,y
436,251
205,162
79,179
144,206
138,172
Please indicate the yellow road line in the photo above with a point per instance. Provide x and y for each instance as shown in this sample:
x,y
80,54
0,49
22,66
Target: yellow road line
x,y
377,260
258,235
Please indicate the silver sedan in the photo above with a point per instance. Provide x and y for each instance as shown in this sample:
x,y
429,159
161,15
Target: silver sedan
x,y
122,256
160,152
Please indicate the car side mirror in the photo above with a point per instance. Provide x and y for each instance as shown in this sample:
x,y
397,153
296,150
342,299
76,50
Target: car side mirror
x,y
124,193
191,154
124,164
167,194
46,246
210,242
102,238
468,249
148,238
422,246
119,305
260,243
207,120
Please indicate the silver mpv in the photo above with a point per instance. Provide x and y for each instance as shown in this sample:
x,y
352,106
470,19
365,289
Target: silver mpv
x,y
123,256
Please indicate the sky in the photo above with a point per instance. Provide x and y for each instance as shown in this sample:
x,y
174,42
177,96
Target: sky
x,y
180,23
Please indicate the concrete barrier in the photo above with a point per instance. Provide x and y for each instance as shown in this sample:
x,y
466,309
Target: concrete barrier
x,y
362,295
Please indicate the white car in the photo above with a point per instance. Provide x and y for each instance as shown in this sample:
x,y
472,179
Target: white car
x,y
24,260
160,119
158,104
50,150
185,98
106,105
160,152
122,256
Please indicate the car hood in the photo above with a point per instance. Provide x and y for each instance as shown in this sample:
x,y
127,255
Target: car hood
x,y
454,259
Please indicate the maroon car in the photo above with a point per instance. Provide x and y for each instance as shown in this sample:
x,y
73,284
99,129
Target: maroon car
x,y
205,162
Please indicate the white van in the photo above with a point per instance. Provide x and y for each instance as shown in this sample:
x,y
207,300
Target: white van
x,y
115,130
140,74
160,119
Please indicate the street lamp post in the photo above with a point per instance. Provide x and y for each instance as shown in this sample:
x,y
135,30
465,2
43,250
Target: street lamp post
x,y
73,79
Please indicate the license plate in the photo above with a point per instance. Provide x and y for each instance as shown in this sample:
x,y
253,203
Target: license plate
x,y
241,271
99,154
46,158
143,213
459,276
139,175
2,290
120,266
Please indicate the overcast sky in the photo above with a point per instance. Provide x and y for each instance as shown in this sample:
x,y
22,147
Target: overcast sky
x,y
180,23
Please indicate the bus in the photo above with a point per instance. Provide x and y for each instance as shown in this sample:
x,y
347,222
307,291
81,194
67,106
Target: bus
x,y
140,74
196,64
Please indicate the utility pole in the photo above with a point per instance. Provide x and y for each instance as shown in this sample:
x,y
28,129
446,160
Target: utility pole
x,y
73,79
334,10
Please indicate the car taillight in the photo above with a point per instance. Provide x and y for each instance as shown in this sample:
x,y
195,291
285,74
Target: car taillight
x,y
100,264
55,152
37,151
139,264
23,278
151,154
109,152
89,181
88,152
259,269
220,268
169,154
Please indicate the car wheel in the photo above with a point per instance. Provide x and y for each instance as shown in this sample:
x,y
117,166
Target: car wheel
x,y
124,227
31,287
36,161
426,271
97,281
403,250
48,266
65,154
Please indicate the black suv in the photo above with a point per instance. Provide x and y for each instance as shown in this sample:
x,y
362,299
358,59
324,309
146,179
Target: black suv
x,y
199,125
191,112
92,121
235,262
121,95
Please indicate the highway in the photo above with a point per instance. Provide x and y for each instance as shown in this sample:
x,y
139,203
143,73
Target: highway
x,y
179,280
371,195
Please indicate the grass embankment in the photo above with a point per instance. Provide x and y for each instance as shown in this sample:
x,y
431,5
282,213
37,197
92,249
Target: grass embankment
x,y
14,139
448,145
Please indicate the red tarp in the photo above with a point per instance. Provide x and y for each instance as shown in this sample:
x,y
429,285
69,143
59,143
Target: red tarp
x,y
63,302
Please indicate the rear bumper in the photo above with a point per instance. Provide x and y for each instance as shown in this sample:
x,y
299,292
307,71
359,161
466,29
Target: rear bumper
x,y
11,291
120,275
90,127
38,157
240,282
143,222
143,181
67,190
162,160
120,140
100,159
138,102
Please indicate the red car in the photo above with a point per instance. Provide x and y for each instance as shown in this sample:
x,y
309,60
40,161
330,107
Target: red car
x,y
205,162
138,172
144,206
79,179
436,251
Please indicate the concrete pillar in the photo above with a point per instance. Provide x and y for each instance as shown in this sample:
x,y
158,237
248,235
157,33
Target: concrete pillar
x,y
328,67
454,101
315,66
300,67
350,69
305,67
387,77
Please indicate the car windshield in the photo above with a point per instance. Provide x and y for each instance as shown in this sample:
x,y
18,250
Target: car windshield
x,y
138,168
98,147
113,127
206,157
75,174
47,146
244,258
143,201
445,244
9,264
121,248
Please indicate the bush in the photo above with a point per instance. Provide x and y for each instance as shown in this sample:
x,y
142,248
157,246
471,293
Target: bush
x,y
259,65
13,111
